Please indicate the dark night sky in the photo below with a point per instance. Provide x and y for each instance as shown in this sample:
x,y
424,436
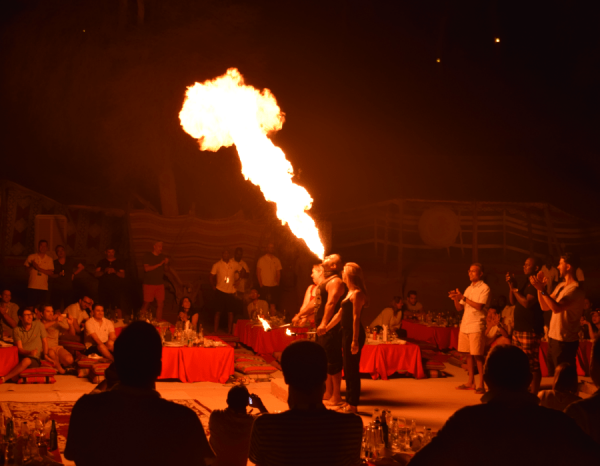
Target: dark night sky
x,y
370,114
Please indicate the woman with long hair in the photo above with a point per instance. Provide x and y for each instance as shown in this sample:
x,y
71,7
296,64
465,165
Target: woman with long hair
x,y
187,312
353,333
307,311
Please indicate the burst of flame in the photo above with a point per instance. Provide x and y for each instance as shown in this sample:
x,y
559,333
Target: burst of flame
x,y
225,111
264,323
287,332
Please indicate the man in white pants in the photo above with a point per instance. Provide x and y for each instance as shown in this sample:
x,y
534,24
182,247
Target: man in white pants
x,y
471,338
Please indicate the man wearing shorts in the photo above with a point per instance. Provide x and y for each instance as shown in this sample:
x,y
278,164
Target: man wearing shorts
x,y
471,338
55,324
30,338
155,265
328,298
528,320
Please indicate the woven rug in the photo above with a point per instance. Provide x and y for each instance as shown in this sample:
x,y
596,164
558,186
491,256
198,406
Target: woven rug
x,y
61,413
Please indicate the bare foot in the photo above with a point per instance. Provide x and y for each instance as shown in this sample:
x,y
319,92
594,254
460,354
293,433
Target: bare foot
x,y
60,369
333,402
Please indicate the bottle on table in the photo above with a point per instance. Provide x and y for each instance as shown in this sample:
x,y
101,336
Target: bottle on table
x,y
53,443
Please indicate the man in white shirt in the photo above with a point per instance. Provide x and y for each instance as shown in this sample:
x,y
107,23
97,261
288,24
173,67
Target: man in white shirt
x,y
242,283
257,307
268,273
471,338
566,304
223,276
100,334
40,267
552,277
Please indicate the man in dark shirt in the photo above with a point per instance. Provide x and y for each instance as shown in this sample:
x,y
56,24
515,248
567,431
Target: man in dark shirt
x,y
309,433
110,273
528,319
509,427
61,282
132,424
155,265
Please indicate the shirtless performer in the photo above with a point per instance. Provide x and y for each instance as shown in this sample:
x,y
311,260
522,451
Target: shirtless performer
x,y
330,293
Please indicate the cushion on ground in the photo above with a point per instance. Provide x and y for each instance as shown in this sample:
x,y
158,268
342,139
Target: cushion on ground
x,y
430,364
42,371
98,369
252,367
36,379
423,344
242,351
429,354
249,357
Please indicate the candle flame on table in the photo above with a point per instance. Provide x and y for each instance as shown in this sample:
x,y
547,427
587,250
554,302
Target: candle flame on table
x,y
264,323
287,332
225,111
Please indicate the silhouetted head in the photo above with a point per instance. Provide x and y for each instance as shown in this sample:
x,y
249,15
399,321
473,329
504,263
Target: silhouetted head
x,y
304,366
138,354
507,368
238,398
565,378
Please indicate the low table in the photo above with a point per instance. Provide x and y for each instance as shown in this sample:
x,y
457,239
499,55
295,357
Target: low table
x,y
382,360
198,364
262,342
443,337
9,358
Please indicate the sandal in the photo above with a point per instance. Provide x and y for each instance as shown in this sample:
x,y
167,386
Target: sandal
x,y
465,387
480,391
334,405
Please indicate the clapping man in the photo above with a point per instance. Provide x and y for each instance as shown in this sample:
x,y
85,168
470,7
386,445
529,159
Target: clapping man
x,y
40,266
61,285
155,265
566,304
110,273
55,324
471,337
31,340
80,312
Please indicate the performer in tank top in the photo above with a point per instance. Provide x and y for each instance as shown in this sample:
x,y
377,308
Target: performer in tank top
x,y
330,293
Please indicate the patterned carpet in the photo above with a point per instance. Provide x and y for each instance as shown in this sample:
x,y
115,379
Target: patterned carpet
x,y
61,413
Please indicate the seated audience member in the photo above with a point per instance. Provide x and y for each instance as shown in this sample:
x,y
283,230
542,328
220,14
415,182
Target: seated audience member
x,y
307,311
55,324
133,423
30,338
9,317
230,428
80,312
257,307
495,333
587,412
309,433
392,317
187,312
564,389
524,433
590,326
412,305
99,334
507,313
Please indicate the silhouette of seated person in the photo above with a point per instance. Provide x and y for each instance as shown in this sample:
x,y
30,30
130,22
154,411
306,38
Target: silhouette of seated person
x,y
230,428
131,424
509,427
587,412
309,433
564,389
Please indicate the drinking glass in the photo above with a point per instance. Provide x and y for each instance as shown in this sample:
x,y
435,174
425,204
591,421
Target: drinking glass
x,y
376,414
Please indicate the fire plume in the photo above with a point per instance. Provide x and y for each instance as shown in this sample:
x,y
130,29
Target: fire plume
x,y
265,324
225,111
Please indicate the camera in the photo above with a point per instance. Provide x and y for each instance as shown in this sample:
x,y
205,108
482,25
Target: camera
x,y
250,401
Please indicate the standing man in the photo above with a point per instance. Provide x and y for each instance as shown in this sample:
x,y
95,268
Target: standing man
x,y
110,273
242,283
328,299
222,278
30,338
566,304
61,285
100,334
471,337
552,278
155,265
9,317
528,320
268,273
40,266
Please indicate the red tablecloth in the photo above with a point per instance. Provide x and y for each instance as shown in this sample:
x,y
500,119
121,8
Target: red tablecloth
x,y
443,337
197,364
383,360
266,342
9,358
584,354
